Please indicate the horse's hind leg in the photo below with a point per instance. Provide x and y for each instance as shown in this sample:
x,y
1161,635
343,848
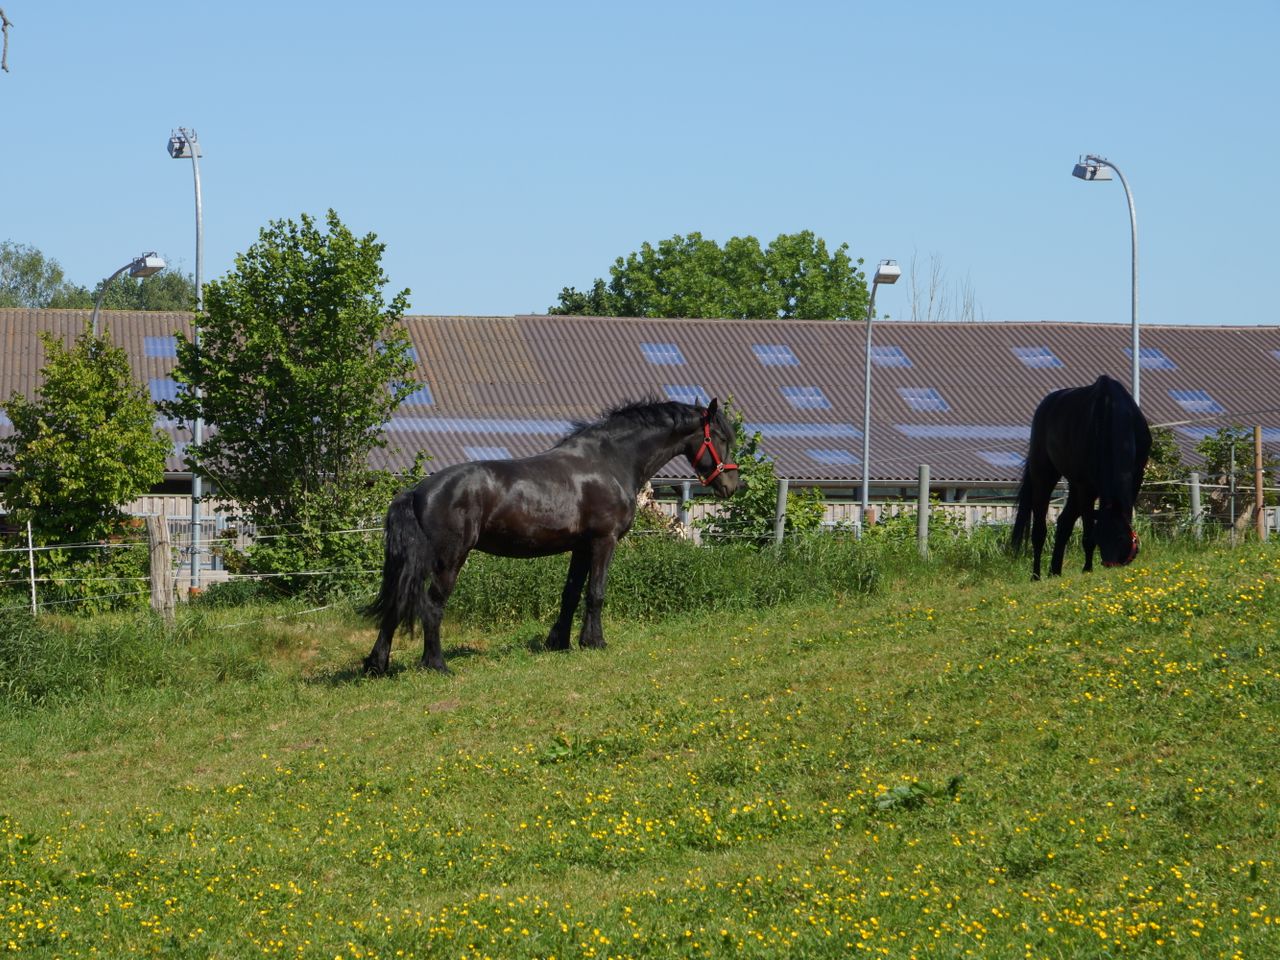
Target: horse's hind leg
x,y
1039,525
433,601
379,658
579,567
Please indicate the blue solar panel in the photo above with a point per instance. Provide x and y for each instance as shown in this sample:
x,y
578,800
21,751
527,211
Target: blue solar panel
x,y
160,346
663,354
685,393
964,431
1036,357
1197,401
798,431
775,355
420,397
1002,458
923,398
1151,358
806,398
487,453
556,428
832,458
889,356
163,388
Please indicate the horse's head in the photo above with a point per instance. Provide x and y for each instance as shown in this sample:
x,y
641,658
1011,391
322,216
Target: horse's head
x,y
1117,541
710,448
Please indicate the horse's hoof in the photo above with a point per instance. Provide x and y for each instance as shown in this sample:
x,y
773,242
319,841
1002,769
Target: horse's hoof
x,y
374,669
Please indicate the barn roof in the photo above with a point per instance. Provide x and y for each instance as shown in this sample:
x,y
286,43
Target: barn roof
x,y
955,396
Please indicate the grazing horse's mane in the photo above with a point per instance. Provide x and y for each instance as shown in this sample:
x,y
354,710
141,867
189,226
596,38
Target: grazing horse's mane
x,y
648,412
1113,443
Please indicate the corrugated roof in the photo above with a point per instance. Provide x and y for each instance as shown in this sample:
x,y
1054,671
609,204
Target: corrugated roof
x,y
956,396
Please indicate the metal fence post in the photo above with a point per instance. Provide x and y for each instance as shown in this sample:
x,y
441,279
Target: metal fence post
x,y
31,567
1197,518
922,511
780,512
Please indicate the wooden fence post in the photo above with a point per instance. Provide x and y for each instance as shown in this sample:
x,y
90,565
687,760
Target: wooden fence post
x,y
1197,518
162,590
1260,501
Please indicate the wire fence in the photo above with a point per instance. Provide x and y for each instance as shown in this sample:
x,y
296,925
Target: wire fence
x,y
29,581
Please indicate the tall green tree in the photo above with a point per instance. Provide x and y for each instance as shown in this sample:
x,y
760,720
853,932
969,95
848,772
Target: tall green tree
x,y
301,363
690,276
30,279
85,445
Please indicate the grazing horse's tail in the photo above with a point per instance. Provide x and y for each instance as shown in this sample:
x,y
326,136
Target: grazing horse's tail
x,y
405,564
1022,519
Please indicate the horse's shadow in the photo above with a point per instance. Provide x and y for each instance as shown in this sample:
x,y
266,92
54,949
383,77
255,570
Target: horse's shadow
x,y
534,643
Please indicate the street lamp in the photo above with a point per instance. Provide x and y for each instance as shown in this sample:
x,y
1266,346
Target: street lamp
x,y
1093,167
887,272
143,266
183,144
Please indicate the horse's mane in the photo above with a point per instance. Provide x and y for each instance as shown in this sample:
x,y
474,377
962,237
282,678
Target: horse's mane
x,y
646,412
1113,432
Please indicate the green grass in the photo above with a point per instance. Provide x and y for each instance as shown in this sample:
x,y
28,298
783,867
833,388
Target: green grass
x,y
942,760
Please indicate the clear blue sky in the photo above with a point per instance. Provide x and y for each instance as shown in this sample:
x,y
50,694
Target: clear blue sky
x,y
505,150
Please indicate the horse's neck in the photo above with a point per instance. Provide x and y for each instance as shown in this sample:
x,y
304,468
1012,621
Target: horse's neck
x,y
640,454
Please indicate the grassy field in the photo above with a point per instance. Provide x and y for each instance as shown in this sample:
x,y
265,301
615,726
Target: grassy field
x,y
947,761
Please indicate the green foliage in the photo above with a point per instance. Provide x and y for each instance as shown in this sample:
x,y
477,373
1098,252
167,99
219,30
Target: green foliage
x,y
169,290
1163,498
1227,454
30,279
748,516
692,276
84,446
301,363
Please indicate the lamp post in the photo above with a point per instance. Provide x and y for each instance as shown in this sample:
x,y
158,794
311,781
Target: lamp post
x,y
143,266
1092,167
887,272
184,144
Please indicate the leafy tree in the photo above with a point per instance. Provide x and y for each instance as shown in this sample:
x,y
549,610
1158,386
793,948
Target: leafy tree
x,y
301,363
692,276
748,516
28,278
1163,498
1225,453
84,447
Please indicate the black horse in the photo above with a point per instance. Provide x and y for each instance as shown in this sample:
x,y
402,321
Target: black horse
x,y
579,496
1097,438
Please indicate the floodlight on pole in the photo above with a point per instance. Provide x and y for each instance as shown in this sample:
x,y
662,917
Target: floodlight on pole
x,y
139,267
887,272
1093,167
184,145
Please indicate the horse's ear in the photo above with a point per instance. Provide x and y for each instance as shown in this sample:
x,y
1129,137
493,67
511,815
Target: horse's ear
x,y
712,407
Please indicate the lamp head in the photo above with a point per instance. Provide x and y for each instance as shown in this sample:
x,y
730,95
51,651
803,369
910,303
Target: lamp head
x,y
182,144
887,272
1090,169
146,265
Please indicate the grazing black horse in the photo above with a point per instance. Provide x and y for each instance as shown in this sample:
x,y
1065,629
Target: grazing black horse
x,y
579,496
1097,438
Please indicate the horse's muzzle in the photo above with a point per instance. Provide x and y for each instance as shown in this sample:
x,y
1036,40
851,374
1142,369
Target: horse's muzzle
x,y
1133,552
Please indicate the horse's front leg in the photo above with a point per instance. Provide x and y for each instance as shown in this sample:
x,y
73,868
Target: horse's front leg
x,y
1066,520
601,554
1087,517
579,567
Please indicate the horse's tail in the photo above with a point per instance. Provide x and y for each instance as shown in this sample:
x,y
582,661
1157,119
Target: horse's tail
x,y
1022,519
405,563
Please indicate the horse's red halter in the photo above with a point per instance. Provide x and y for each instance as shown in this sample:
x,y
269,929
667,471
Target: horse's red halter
x,y
1133,551
707,445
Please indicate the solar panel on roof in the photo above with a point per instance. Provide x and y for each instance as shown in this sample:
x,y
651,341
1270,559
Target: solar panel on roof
x,y
775,355
963,431
1196,401
830,457
685,393
163,388
818,431
1151,358
420,397
160,346
1036,358
806,398
1002,458
486,453
924,399
663,354
889,356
